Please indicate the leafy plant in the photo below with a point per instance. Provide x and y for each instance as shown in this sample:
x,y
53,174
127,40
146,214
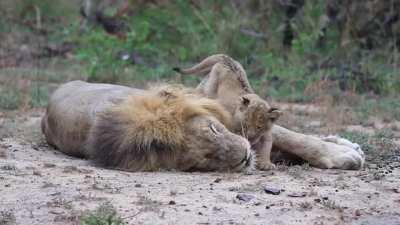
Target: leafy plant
x,y
105,214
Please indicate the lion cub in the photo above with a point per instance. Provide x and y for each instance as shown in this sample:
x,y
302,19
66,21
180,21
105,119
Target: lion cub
x,y
252,116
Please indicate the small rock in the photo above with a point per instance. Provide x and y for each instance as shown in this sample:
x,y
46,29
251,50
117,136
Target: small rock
x,y
297,195
171,202
325,198
217,180
138,185
49,165
244,197
232,189
56,212
272,190
257,214
215,208
37,173
357,212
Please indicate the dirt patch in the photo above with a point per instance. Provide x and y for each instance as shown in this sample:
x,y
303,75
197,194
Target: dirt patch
x,y
42,186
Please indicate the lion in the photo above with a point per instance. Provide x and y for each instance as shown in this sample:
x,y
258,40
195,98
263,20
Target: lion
x,y
162,128
227,82
252,116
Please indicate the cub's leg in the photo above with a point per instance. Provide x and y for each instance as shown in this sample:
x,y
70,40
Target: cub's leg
x,y
262,149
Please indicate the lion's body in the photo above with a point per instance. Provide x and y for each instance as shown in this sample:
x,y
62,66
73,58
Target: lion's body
x,y
227,83
138,130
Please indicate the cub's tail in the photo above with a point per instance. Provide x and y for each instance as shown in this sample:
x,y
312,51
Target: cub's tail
x,y
205,65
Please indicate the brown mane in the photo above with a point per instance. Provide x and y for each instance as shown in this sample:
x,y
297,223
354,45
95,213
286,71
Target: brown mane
x,y
142,130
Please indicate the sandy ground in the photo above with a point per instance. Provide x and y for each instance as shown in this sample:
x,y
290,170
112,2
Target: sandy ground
x,y
41,186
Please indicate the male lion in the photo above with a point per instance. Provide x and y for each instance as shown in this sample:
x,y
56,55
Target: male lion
x,y
143,130
227,82
253,117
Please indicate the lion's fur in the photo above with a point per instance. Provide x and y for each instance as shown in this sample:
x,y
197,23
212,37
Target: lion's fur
x,y
159,115
141,130
227,82
151,125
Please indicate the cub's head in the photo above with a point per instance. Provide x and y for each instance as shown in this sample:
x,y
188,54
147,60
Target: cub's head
x,y
254,116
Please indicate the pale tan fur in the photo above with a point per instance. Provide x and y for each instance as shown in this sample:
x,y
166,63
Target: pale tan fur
x,y
253,117
144,130
227,82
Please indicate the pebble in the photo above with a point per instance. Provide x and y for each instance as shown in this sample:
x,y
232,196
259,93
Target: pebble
x,y
272,190
37,173
244,197
217,180
171,202
297,195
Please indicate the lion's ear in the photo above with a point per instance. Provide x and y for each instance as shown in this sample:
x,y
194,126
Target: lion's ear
x,y
274,113
245,101
167,94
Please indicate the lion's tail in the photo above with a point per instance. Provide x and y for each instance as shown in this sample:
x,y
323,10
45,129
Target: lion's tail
x,y
203,66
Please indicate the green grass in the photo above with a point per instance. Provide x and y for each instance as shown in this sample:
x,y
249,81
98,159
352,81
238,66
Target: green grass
x,y
388,108
181,33
9,99
105,214
379,148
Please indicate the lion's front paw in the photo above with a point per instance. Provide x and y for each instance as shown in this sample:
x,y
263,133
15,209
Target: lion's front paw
x,y
344,154
343,141
266,166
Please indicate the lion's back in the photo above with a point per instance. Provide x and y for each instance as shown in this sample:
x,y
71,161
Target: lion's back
x,y
72,110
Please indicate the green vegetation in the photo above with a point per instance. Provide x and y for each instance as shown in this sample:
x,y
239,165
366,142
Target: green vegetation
x,y
379,148
105,214
319,59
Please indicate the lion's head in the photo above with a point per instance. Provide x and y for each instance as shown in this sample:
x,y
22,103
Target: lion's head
x,y
167,128
254,116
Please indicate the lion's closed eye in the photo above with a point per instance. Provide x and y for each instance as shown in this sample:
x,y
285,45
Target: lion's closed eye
x,y
214,129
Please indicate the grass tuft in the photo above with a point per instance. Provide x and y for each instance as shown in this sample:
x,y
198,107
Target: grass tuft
x,y
105,214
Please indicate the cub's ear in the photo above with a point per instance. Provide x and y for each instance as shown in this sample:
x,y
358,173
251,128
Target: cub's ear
x,y
245,101
274,113
166,94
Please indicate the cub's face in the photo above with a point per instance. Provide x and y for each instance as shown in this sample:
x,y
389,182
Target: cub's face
x,y
254,116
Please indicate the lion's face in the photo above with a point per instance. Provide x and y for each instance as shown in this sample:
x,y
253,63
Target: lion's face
x,y
254,116
211,146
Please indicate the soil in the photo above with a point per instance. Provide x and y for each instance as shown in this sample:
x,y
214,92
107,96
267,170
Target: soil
x,y
39,185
